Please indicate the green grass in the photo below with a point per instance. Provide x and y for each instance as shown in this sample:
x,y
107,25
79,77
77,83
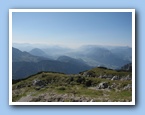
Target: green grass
x,y
74,85
120,96
100,71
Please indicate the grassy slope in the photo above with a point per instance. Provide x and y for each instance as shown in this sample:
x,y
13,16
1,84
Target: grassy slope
x,y
74,86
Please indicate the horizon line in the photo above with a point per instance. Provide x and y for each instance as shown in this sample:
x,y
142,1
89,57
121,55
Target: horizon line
x,y
62,45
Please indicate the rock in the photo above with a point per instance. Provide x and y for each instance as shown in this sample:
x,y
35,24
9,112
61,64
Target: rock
x,y
109,87
104,76
36,100
38,83
91,100
127,67
128,87
126,78
103,85
110,76
115,78
100,76
113,85
85,74
89,74
20,86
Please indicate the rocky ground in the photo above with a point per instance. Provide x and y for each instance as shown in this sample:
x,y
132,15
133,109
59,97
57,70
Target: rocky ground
x,y
97,85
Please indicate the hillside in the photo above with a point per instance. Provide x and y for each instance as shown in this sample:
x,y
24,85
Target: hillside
x,y
19,56
38,52
25,64
109,57
96,85
94,55
127,67
24,69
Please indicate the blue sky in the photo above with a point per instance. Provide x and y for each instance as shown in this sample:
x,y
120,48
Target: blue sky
x,y
72,29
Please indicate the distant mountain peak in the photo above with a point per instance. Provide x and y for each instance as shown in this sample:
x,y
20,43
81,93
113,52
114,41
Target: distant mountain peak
x,y
37,52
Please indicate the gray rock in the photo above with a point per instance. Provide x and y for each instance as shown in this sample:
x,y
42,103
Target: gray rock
x,y
114,85
109,87
110,76
104,76
128,87
88,74
38,83
20,86
100,76
126,78
85,74
103,85
115,78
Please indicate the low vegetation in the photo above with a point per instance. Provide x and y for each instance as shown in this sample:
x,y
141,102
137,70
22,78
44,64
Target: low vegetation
x,y
97,85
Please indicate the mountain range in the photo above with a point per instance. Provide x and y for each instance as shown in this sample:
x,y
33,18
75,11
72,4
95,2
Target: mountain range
x,y
25,64
65,60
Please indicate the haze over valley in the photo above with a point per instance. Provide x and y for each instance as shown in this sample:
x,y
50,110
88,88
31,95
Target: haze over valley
x,y
29,59
89,73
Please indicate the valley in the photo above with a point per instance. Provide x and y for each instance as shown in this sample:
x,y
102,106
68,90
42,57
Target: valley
x,y
88,74
65,60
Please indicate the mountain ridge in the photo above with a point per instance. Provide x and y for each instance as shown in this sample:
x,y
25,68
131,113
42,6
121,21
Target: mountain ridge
x,y
22,68
94,85
71,63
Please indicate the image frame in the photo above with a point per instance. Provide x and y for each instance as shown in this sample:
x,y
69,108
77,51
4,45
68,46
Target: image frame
x,y
71,10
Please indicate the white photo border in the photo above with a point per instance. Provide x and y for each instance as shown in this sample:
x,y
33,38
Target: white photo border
x,y
72,10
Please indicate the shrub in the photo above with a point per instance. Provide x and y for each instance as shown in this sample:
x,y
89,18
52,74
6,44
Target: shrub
x,y
61,88
91,74
88,83
80,80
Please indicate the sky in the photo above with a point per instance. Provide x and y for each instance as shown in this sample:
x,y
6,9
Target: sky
x,y
72,29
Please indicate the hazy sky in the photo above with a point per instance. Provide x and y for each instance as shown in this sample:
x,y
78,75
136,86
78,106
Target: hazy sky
x,y
72,29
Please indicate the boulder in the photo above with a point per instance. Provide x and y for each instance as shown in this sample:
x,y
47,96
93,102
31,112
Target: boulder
x,y
104,76
103,85
126,78
38,83
114,85
100,76
128,87
115,78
